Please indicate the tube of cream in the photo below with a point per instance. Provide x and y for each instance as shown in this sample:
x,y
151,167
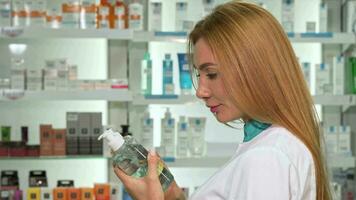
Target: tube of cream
x,y
185,80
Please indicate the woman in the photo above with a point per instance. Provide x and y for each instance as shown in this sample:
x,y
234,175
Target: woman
x,y
247,70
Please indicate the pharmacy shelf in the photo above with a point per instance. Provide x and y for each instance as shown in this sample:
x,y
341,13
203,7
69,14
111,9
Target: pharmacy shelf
x,y
323,38
202,162
84,157
159,36
107,95
40,33
152,36
341,162
163,99
180,37
335,100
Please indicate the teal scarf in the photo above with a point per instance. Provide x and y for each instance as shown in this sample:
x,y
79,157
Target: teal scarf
x,y
252,128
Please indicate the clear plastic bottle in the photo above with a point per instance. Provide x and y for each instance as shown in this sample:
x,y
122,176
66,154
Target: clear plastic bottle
x,y
131,157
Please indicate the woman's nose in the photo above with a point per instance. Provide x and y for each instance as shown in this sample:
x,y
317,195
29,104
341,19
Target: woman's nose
x,y
202,92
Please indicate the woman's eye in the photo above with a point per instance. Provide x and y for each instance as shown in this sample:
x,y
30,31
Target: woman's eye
x,y
212,75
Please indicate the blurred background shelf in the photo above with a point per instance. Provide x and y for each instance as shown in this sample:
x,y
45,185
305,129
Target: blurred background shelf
x,y
108,95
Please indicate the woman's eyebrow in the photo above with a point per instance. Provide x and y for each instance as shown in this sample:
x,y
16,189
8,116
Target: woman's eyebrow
x,y
205,65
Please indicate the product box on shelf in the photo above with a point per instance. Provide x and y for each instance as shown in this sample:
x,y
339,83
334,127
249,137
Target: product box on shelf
x,y
86,193
5,133
5,13
73,193
17,149
71,13
60,193
72,132
88,14
37,12
96,130
34,193
115,191
4,149
34,80
46,194
59,142
65,183
18,78
37,178
50,79
62,78
119,83
33,150
46,140
9,180
84,133
19,14
102,191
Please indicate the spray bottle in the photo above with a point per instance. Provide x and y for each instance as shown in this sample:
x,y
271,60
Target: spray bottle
x,y
131,157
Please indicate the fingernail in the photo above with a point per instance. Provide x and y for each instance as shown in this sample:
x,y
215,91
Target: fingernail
x,y
152,152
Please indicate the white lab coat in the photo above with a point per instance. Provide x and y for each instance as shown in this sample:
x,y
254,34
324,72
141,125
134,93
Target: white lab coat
x,y
275,165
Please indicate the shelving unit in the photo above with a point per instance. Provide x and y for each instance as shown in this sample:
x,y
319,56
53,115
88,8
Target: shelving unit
x,y
341,162
119,95
157,36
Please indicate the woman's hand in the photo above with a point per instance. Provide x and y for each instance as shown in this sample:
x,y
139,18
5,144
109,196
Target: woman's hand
x,y
146,188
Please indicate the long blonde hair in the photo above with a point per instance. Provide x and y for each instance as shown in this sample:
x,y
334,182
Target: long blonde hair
x,y
262,74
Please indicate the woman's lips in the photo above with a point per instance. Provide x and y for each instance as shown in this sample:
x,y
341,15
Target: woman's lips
x,y
214,109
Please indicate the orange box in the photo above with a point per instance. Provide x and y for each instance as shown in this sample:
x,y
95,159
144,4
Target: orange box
x,y
59,142
46,140
60,193
102,191
87,193
73,194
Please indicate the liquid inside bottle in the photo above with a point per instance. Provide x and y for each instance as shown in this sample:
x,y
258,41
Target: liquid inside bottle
x,y
131,157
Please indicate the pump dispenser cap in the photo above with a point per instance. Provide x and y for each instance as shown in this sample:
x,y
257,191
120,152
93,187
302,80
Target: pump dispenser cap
x,y
167,56
114,139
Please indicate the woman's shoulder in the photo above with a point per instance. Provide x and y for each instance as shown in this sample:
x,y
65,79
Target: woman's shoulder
x,y
282,141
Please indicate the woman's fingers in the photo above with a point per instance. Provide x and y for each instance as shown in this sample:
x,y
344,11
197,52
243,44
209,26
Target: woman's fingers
x,y
126,179
152,161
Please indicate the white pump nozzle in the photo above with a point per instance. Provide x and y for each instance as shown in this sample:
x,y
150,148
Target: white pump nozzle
x,y
114,139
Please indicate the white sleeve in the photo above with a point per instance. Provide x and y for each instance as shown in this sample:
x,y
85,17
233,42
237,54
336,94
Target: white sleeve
x,y
262,173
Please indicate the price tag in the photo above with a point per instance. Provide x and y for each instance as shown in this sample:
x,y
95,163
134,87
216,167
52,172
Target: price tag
x,y
13,94
12,31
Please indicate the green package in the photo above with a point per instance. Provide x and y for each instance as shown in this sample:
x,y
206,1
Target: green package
x,y
5,133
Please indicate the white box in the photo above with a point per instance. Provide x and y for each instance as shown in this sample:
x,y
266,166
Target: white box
x,y
18,6
344,142
50,79
331,140
46,194
18,77
37,12
350,15
181,15
71,14
323,17
86,85
288,15
62,78
88,14
323,84
339,75
155,16
102,85
34,80
5,13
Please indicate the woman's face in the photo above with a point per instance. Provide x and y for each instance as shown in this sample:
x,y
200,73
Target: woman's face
x,y
210,85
